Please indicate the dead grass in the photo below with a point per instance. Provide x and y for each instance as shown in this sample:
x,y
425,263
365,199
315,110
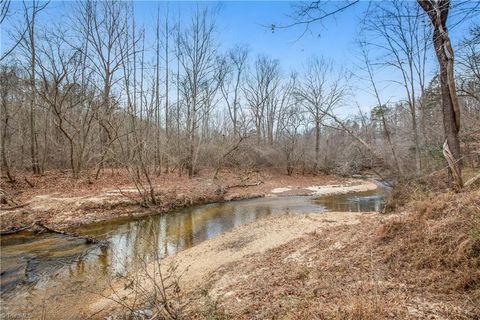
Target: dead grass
x,y
438,241
419,189
420,264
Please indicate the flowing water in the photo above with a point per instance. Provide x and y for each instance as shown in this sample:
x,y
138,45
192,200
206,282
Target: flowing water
x,y
32,261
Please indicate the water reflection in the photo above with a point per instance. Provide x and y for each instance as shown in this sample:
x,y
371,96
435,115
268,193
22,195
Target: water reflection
x,y
353,202
33,260
131,242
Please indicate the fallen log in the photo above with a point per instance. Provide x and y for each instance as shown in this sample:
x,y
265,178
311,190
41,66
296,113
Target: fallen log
x,y
12,231
471,181
14,207
87,239
245,185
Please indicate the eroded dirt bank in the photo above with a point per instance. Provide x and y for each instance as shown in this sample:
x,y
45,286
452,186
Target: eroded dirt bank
x,y
60,202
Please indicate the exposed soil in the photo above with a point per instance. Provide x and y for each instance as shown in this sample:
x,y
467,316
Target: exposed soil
x,y
61,202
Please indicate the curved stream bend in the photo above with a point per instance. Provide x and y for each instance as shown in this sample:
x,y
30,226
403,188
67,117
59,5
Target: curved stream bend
x,y
31,261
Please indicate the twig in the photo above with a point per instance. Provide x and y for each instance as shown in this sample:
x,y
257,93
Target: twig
x,y
29,183
472,180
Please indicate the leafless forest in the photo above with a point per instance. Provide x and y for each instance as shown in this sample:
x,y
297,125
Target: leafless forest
x,y
107,122
83,96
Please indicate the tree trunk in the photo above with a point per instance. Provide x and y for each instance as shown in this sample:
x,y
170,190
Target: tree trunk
x,y
33,59
438,13
390,144
191,152
317,144
167,111
5,168
418,165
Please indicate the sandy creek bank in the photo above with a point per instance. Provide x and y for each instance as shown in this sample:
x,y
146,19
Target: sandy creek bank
x,y
62,203
197,263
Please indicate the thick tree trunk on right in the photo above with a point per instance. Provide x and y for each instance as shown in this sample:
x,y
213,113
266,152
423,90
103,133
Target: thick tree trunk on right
x,y
450,110
438,14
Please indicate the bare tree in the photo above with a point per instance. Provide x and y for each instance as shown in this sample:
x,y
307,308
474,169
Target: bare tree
x,y
400,38
469,63
142,118
8,83
157,93
24,30
66,90
259,91
380,110
294,121
103,24
167,107
320,90
231,87
29,43
4,7
197,56
290,122
310,13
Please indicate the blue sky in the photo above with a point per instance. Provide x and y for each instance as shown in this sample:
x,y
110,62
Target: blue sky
x,y
240,22
245,22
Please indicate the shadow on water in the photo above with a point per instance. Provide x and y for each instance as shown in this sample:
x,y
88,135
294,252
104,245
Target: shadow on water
x,y
30,261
